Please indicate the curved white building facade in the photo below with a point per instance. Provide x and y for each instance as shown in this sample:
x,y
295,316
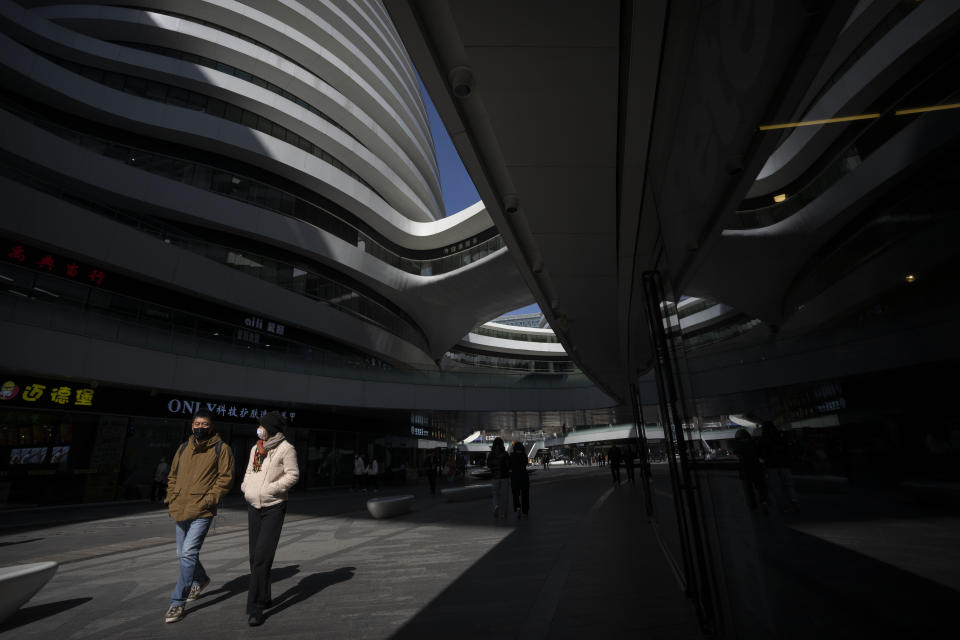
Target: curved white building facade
x,y
223,160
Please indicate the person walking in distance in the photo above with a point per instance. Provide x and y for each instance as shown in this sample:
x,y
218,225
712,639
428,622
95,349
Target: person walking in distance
x,y
373,470
159,491
628,457
271,472
200,476
431,466
752,473
519,480
499,464
614,458
774,451
359,473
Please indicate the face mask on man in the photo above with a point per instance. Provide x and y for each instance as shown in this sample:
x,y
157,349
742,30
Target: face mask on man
x,y
202,429
262,433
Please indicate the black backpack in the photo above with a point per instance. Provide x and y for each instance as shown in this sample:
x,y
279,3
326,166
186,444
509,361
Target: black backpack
x,y
176,470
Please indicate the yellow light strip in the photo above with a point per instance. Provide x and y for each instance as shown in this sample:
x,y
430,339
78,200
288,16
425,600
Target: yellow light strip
x,y
939,107
807,123
864,116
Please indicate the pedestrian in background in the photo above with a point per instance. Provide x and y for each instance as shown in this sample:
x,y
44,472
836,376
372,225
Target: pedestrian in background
x,y
271,472
158,492
614,457
359,473
628,457
773,450
431,466
519,480
499,464
373,469
752,473
201,476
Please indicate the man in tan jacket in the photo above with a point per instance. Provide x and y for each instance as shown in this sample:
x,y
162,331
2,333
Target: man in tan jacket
x,y
200,476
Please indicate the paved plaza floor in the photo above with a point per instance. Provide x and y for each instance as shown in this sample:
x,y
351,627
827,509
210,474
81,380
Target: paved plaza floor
x,y
585,561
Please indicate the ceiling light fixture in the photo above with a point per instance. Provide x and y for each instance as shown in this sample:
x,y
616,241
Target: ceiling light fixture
x,y
780,197
910,278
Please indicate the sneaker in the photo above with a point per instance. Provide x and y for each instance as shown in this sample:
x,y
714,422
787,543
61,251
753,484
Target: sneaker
x,y
196,588
174,614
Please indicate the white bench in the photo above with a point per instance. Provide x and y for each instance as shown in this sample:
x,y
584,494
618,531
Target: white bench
x,y
469,492
21,582
389,506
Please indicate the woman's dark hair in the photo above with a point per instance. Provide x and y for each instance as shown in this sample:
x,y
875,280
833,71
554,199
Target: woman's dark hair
x,y
273,422
518,448
497,445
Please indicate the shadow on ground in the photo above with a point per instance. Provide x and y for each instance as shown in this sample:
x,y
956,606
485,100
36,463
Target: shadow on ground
x,y
26,615
309,586
237,586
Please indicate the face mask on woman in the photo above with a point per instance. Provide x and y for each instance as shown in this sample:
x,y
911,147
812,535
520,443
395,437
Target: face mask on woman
x,y
261,433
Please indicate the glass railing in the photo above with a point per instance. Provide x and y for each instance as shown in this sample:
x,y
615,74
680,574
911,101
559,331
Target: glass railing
x,y
828,176
197,337
869,136
195,101
223,67
243,188
516,335
297,278
512,364
306,283
52,302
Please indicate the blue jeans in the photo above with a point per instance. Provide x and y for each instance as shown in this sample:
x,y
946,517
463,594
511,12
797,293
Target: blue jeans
x,y
190,535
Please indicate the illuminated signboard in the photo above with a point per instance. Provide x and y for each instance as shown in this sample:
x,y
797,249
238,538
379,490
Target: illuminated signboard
x,y
189,406
49,262
254,322
44,393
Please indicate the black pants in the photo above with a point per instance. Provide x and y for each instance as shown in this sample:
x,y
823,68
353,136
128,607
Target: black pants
x,y
630,472
264,530
521,498
615,471
432,477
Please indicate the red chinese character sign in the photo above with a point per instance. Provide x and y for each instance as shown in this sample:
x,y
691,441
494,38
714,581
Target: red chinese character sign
x,y
17,253
48,262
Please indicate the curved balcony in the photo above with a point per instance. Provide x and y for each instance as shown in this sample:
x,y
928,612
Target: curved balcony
x,y
246,189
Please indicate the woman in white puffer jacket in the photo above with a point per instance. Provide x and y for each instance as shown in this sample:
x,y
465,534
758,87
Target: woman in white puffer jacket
x,y
271,473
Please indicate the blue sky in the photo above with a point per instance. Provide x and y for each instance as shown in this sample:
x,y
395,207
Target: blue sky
x,y
458,189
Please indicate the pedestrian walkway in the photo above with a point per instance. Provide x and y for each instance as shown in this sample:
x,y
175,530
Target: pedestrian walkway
x,y
585,561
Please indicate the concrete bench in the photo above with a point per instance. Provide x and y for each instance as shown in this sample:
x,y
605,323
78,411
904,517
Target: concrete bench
x,y
21,582
469,492
389,506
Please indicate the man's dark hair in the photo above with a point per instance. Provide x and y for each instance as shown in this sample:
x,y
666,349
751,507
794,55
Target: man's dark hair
x,y
204,413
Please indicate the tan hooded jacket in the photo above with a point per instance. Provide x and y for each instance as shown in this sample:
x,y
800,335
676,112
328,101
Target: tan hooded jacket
x,y
199,479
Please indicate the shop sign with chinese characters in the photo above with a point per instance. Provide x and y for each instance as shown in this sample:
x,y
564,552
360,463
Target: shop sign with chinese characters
x,y
39,260
46,394
183,406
